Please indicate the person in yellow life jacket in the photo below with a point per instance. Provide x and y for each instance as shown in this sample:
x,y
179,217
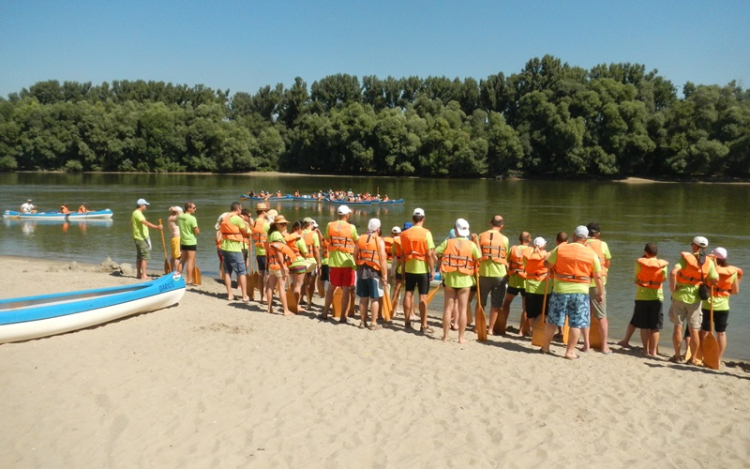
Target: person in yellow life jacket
x,y
64,209
83,209
233,231
538,285
516,283
298,268
458,258
599,309
727,285
259,235
279,256
342,237
693,269
493,272
574,265
397,274
418,264
312,243
372,273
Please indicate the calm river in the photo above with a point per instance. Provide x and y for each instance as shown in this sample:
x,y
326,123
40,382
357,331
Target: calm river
x,y
630,214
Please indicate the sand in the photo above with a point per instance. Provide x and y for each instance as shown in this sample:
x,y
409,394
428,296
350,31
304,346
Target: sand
x,y
210,383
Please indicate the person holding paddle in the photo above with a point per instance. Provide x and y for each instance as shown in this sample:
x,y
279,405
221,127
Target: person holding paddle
x,y
188,225
233,228
174,241
299,264
341,236
599,309
260,233
140,235
727,285
312,243
279,257
537,286
418,264
493,274
650,273
372,273
516,285
458,259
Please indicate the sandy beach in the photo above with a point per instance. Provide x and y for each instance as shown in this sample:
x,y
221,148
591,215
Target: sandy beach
x,y
209,383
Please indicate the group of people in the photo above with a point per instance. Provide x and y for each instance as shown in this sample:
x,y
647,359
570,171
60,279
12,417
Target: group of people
x,y
29,207
81,209
564,286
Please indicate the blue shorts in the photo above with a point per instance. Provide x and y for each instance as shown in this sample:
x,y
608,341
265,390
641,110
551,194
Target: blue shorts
x,y
261,263
574,305
369,288
234,262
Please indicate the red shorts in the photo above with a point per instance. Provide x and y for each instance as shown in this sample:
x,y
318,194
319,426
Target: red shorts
x,y
342,276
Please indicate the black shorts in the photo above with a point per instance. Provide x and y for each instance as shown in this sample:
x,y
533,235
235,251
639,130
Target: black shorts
x,y
648,314
534,304
261,263
420,281
188,248
325,273
515,291
721,319
399,276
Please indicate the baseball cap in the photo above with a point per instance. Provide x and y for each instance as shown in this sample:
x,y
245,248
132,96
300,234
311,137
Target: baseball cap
x,y
581,232
719,253
314,224
700,241
418,212
307,220
395,230
462,227
373,225
176,208
408,225
271,214
142,202
540,242
343,210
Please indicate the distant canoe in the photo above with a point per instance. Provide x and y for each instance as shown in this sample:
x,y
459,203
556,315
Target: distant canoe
x,y
59,216
344,202
390,202
267,199
41,316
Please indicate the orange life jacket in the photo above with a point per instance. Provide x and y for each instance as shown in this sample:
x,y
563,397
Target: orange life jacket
x,y
259,232
515,261
367,251
399,248
388,245
651,274
272,258
291,241
724,286
534,268
324,249
310,243
229,231
691,273
414,243
492,246
596,245
340,236
457,257
575,263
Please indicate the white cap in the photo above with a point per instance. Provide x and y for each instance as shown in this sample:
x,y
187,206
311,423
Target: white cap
x,y
700,241
719,253
395,230
271,214
314,224
343,210
540,242
142,202
373,225
418,212
176,208
462,227
581,232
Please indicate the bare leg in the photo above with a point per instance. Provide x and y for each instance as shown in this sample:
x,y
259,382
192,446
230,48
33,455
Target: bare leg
x,y
242,281
695,343
654,343
345,300
646,339
423,312
375,307
572,342
628,334
677,341
449,303
328,300
364,304
228,284
408,306
721,338
462,307
493,318
282,296
505,312
549,332
396,293
270,286
603,330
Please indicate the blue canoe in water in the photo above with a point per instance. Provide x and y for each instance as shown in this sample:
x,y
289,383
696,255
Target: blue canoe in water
x,y
41,316
59,216
267,199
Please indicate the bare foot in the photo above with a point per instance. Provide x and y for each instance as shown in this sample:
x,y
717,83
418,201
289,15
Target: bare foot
x,y
288,313
461,341
571,357
445,338
623,343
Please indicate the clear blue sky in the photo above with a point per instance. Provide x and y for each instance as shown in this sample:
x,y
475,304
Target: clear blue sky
x,y
244,45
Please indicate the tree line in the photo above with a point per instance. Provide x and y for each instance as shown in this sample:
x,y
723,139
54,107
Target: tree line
x,y
550,119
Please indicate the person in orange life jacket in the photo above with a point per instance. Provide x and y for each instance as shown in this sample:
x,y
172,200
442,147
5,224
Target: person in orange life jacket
x,y
418,264
298,268
312,242
516,280
372,273
598,308
279,256
458,259
728,284
233,230
538,285
493,272
397,274
574,265
691,270
261,225
342,237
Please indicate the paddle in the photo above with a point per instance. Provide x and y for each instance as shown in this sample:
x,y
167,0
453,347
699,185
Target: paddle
x,y
481,323
538,332
566,330
431,295
197,275
387,305
291,300
710,345
250,277
167,266
595,335
336,302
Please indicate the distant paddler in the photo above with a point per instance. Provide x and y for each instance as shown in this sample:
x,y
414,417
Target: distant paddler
x,y
537,286
372,273
574,265
64,209
599,309
28,207
233,230
418,264
458,258
493,272
341,236
142,240
82,208
516,283
727,285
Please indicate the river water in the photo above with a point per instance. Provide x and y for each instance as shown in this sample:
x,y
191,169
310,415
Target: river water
x,y
630,214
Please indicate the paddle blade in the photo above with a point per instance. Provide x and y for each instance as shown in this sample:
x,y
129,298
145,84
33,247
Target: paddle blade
x,y
481,325
291,300
337,294
197,275
537,333
566,331
711,352
431,295
595,335
387,306
167,267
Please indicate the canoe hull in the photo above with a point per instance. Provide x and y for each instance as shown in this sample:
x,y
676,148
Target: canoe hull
x,y
56,216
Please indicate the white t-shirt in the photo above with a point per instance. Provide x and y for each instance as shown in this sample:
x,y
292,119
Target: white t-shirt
x,y
27,207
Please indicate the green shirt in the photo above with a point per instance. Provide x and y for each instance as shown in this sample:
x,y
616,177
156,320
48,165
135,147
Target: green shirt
x,y
234,246
342,259
261,250
689,293
140,230
721,303
607,256
561,286
187,224
457,279
490,268
300,260
648,294
416,266
316,244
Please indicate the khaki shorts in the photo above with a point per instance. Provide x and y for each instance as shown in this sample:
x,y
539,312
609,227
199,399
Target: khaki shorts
x,y
680,311
598,309
311,266
176,247
142,249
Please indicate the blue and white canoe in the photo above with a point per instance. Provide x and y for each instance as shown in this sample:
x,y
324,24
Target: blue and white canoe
x,y
59,216
41,316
